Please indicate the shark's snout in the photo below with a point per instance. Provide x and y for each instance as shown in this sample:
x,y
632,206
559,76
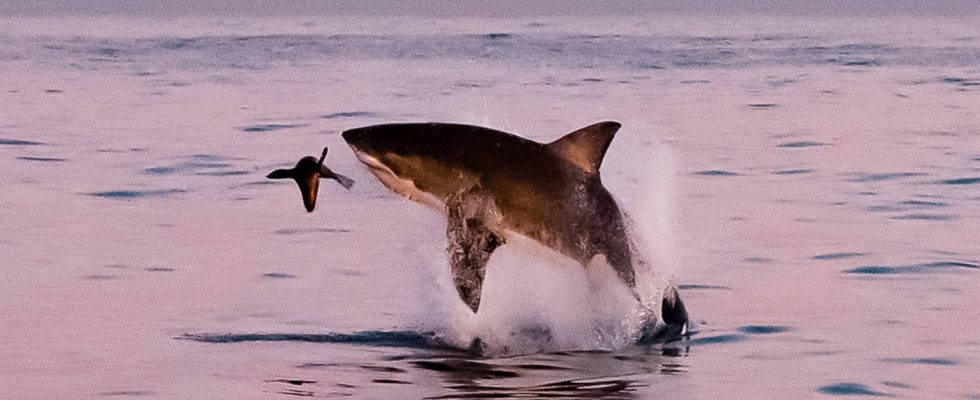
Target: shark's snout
x,y
355,138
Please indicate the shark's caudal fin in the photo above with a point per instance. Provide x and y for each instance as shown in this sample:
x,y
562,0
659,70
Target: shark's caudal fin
x,y
587,146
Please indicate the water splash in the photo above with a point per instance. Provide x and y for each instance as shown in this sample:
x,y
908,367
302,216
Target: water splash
x,y
538,300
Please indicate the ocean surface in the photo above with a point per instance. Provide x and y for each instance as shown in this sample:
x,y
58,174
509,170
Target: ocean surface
x,y
811,185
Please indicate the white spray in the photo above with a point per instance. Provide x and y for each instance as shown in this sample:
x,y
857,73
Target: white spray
x,y
537,300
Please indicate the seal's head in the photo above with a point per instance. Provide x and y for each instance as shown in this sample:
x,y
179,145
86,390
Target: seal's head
x,y
307,174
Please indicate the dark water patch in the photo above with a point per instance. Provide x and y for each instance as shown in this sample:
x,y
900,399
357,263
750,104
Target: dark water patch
x,y
297,392
592,80
136,194
645,66
596,388
960,181
541,367
350,114
471,85
837,256
318,365
405,339
159,170
466,370
883,176
792,172
757,260
848,389
222,173
270,127
694,81
716,172
907,205
925,217
763,106
493,36
41,159
390,381
859,63
53,91
159,269
801,144
923,204
720,339
126,393
923,361
198,164
99,277
18,142
897,385
703,287
296,231
959,81
294,382
384,368
763,329
278,275
939,266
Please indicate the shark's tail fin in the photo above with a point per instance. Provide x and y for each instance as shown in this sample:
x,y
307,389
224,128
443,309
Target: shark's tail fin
x,y
673,311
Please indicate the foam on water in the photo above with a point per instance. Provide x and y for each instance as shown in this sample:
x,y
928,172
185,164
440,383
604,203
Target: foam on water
x,y
537,300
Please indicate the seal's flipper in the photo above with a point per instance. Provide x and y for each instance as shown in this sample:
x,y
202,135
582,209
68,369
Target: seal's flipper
x,y
470,245
341,179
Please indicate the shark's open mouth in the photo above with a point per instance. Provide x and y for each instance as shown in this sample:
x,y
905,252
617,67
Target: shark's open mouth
x,y
402,186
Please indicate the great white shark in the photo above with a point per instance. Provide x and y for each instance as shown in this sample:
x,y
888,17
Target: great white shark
x,y
492,184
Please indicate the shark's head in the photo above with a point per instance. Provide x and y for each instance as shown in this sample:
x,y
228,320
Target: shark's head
x,y
413,160
379,141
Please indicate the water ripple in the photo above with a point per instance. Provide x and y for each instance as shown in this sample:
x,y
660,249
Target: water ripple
x,y
939,266
136,194
716,172
960,181
763,329
923,361
848,389
837,256
270,127
404,339
18,142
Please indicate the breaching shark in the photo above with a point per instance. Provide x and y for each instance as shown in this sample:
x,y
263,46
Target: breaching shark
x,y
492,184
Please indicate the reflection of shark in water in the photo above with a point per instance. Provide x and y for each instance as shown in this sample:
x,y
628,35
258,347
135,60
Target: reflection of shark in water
x,y
493,184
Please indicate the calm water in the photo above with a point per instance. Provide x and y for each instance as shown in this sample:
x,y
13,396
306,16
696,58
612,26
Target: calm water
x,y
813,186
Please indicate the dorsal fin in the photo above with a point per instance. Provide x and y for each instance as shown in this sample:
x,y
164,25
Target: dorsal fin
x,y
587,146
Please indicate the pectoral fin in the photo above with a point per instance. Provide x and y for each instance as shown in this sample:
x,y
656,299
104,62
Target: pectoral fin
x,y
470,246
